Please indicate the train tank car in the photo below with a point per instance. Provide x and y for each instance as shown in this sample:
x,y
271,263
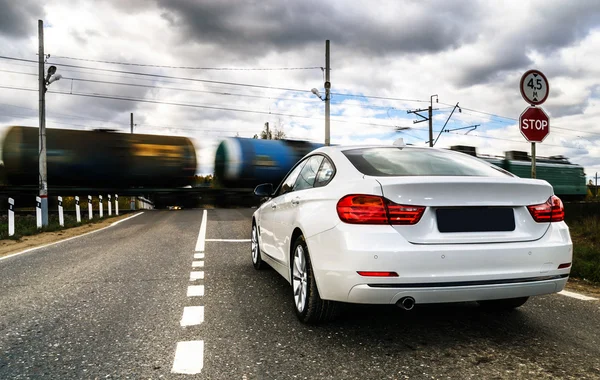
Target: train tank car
x,y
245,163
100,159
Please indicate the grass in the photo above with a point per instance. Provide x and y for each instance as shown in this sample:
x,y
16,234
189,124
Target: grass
x,y
585,233
25,225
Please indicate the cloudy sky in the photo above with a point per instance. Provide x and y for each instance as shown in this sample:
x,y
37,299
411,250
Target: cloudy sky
x,y
223,68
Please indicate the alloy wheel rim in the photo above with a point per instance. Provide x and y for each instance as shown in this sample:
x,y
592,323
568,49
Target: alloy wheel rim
x,y
300,283
254,245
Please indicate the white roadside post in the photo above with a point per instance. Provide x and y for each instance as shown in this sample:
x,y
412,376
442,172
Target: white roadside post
x,y
77,209
61,219
90,214
11,217
101,207
109,206
117,204
38,212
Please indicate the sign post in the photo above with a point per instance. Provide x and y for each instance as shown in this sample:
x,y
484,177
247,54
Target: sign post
x,y
61,217
534,123
11,217
38,212
77,210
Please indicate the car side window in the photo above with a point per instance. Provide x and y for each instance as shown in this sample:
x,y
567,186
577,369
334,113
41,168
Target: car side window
x,y
288,183
325,173
307,176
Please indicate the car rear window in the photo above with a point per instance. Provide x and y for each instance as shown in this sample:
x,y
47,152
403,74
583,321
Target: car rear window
x,y
392,161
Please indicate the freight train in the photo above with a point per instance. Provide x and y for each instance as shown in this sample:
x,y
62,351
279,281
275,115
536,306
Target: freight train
x,y
97,159
567,179
245,163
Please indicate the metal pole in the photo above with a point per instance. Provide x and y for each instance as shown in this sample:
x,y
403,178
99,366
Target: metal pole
x,y
131,122
43,177
532,160
431,124
596,186
327,90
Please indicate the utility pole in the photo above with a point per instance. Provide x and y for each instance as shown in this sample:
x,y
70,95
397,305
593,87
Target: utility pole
x,y
327,91
43,173
426,118
596,186
268,133
131,122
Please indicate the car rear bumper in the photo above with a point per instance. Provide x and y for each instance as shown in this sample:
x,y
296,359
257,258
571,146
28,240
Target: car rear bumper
x,y
435,273
440,294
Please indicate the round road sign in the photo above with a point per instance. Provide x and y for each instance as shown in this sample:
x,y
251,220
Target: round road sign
x,y
534,87
534,124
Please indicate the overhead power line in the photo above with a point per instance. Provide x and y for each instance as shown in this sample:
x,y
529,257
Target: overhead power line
x,y
210,81
191,67
112,97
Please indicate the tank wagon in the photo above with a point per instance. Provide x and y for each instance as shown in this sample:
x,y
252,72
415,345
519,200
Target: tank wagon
x,y
101,159
245,163
567,179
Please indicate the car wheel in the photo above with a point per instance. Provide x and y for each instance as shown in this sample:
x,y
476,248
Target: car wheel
x,y
503,304
309,306
256,258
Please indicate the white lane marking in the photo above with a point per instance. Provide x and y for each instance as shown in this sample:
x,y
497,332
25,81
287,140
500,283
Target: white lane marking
x,y
189,357
230,240
202,234
71,238
195,291
199,256
196,276
192,315
577,295
197,264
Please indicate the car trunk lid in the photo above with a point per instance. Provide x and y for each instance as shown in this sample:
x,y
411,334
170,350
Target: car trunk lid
x,y
469,209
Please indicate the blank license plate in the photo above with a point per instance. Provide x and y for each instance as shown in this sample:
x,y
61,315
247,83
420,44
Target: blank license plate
x,y
475,219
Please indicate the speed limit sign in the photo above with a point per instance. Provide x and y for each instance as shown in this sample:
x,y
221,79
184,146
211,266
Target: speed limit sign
x,y
534,87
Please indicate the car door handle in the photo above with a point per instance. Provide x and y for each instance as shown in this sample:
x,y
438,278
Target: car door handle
x,y
296,201
273,206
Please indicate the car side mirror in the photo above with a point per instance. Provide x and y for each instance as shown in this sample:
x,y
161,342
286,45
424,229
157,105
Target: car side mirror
x,y
264,190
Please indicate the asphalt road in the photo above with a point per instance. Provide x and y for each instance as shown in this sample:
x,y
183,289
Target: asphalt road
x,y
110,305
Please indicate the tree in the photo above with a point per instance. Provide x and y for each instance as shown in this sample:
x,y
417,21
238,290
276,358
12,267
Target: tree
x,y
276,133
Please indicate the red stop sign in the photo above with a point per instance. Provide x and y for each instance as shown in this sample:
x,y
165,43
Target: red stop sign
x,y
534,124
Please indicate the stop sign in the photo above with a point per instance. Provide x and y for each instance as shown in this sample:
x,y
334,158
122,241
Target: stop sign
x,y
534,124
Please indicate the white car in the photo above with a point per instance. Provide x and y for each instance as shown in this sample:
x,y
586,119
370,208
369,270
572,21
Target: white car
x,y
407,225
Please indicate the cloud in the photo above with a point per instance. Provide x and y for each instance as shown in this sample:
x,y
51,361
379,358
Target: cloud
x,y
257,28
19,19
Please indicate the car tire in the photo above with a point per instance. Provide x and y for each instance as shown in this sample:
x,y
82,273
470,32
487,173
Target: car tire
x,y
503,304
308,305
257,261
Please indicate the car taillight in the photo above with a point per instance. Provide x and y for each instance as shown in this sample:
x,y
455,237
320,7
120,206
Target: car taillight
x,y
551,211
405,215
373,209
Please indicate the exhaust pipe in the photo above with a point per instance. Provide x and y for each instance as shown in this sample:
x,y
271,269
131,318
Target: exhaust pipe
x,y
406,303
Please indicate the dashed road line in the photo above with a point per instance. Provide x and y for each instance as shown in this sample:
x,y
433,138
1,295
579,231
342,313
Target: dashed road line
x,y
230,240
202,233
577,296
198,264
196,276
189,357
195,291
192,315
199,256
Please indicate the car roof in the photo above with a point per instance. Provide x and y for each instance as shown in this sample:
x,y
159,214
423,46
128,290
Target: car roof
x,y
341,148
